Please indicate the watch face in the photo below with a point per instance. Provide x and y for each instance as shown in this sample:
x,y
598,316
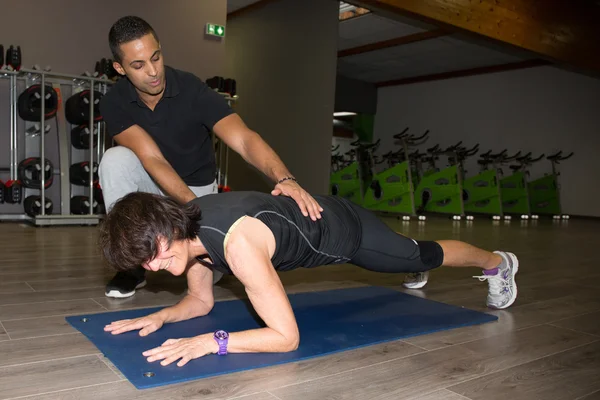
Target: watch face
x,y
221,335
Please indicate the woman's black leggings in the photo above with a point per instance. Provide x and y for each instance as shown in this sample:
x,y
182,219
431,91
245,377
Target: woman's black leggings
x,y
384,250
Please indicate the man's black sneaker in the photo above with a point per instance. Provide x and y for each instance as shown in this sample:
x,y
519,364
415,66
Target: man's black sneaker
x,y
124,284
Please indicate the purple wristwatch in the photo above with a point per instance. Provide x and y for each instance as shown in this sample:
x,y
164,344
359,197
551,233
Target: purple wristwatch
x,y
222,338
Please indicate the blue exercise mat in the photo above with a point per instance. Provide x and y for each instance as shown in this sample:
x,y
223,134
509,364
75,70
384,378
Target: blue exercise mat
x,y
329,322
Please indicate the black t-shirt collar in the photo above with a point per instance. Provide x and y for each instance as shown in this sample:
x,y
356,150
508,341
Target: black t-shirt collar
x,y
171,88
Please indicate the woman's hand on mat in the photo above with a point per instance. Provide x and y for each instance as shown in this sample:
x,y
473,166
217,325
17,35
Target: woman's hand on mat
x,y
147,325
185,349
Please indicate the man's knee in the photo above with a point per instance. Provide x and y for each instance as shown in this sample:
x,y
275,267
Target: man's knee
x,y
431,254
118,158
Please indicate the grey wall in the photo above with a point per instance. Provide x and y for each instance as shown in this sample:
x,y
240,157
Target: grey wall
x,y
355,96
283,57
542,110
71,35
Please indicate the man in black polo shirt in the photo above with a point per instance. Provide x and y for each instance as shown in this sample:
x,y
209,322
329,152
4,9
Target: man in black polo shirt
x,y
162,118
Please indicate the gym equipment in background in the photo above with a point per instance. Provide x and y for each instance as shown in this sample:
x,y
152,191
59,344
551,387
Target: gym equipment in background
x,y
348,318
223,85
481,192
1,56
80,137
440,191
514,188
104,67
29,103
43,94
30,173
33,206
77,107
392,190
80,173
80,205
13,58
2,188
544,193
345,182
353,179
13,192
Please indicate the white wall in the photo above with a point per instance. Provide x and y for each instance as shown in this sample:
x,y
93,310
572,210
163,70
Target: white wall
x,y
542,110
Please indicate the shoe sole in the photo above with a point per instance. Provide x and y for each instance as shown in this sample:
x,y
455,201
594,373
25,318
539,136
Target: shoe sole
x,y
414,285
118,295
515,269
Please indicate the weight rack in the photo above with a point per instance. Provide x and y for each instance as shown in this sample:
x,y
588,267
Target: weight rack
x,y
221,149
77,83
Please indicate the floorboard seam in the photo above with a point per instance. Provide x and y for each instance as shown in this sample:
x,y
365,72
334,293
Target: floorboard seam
x,y
112,368
46,336
7,334
353,369
574,316
458,394
518,365
47,301
589,394
65,390
573,330
49,360
95,301
52,315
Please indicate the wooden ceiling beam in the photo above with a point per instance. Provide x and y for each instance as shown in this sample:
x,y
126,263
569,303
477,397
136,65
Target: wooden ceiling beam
x,y
254,6
565,32
399,41
465,72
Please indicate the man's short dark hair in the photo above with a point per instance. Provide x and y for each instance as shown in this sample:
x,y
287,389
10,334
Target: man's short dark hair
x,y
130,233
125,30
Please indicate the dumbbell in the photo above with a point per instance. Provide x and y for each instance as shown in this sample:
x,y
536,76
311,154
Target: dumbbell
x,y
80,173
229,86
77,107
80,137
13,191
81,205
13,57
33,205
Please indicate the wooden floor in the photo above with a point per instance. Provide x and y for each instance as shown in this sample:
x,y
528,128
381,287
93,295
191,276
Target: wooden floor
x,y
547,346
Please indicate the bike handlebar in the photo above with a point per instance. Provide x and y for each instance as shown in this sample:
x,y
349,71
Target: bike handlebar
x,y
559,157
401,134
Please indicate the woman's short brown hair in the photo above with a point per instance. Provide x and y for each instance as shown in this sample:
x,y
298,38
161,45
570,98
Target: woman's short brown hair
x,y
130,233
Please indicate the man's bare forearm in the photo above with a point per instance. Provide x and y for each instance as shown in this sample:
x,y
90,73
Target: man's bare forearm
x,y
189,307
166,177
259,154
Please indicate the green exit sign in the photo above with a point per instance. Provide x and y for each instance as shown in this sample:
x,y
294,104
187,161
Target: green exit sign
x,y
215,30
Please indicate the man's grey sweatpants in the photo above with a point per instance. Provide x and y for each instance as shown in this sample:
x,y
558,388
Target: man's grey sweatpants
x,y
121,172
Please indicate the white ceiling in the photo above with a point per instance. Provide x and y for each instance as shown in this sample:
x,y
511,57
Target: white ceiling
x,y
432,56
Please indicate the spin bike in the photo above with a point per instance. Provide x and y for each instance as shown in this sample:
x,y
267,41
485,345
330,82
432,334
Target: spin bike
x,y
352,179
481,192
440,191
392,190
544,193
514,188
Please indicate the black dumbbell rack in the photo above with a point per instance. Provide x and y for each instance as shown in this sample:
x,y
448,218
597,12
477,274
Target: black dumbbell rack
x,y
31,139
222,151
